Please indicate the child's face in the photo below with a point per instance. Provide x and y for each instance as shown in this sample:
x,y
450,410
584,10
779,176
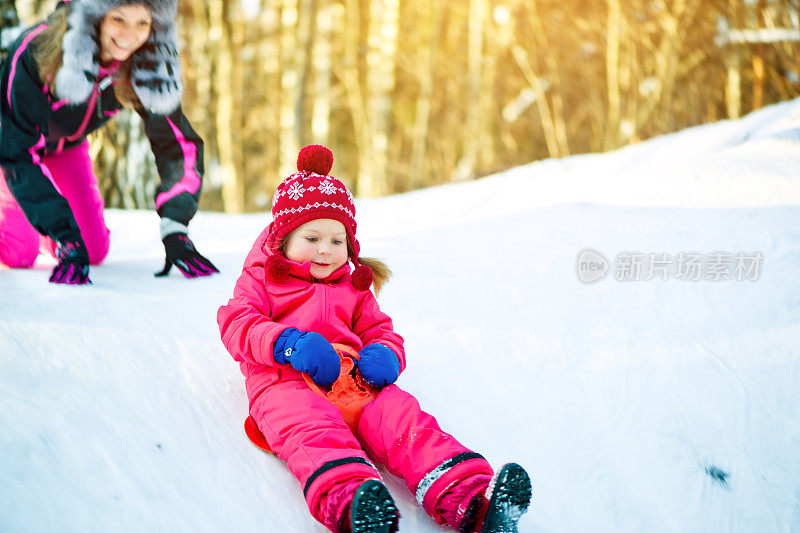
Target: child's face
x,y
323,242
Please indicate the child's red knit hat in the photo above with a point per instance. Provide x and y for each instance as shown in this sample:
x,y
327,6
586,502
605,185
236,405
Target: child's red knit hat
x,y
307,195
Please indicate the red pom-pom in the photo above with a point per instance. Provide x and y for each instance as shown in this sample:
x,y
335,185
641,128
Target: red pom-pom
x,y
277,268
315,158
361,278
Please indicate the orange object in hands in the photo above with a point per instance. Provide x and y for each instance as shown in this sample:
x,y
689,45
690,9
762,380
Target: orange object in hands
x,y
350,393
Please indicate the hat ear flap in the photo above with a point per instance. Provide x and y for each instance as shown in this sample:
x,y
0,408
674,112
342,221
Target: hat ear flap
x,y
156,71
277,268
79,69
361,277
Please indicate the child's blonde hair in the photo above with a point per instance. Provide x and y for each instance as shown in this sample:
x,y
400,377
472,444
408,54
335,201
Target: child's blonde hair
x,y
381,273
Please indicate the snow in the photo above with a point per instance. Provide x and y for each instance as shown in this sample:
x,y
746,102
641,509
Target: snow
x,y
635,405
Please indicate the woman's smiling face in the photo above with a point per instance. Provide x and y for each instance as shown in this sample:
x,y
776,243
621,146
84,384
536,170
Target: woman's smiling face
x,y
122,31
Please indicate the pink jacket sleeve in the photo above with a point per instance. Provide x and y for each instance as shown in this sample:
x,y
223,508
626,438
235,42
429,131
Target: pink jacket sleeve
x,y
373,325
247,330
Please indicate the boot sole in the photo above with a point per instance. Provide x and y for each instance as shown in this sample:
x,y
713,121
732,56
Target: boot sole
x,y
509,496
373,509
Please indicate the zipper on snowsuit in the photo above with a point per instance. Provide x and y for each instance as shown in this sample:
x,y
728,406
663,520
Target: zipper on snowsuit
x,y
95,107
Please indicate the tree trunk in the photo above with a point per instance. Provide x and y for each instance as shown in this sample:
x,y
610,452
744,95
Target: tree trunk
x,y
556,91
351,81
329,17
546,117
297,22
221,38
292,52
758,60
614,112
431,22
381,57
666,57
199,69
269,52
236,29
472,133
733,62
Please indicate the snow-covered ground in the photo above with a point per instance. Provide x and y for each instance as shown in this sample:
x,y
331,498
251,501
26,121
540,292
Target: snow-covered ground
x,y
635,404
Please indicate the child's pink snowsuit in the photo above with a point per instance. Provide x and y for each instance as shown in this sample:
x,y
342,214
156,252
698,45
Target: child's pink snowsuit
x,y
306,430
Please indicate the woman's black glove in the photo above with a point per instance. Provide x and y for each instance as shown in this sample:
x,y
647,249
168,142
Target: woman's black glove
x,y
73,263
182,253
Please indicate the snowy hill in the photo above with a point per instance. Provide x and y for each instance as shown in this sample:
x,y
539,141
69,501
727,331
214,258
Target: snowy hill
x,y
649,405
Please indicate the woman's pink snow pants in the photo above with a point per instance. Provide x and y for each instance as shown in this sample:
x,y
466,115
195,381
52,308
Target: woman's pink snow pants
x,y
309,433
74,178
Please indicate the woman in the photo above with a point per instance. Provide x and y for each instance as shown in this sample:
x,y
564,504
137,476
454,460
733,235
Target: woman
x,y
63,79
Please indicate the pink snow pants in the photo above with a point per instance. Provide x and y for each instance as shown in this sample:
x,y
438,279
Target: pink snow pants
x,y
74,178
309,433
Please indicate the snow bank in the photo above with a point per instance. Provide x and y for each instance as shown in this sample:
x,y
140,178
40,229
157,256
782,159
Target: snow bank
x,y
660,405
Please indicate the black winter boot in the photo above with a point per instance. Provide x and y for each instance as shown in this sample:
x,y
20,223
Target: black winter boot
x,y
505,501
371,511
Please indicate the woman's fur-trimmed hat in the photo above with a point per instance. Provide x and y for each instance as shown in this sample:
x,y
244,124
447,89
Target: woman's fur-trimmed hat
x,y
155,69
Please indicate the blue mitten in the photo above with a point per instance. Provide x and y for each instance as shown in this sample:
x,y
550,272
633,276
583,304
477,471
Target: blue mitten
x,y
308,352
378,365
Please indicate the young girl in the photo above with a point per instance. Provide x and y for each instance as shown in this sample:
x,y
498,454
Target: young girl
x,y
63,79
296,296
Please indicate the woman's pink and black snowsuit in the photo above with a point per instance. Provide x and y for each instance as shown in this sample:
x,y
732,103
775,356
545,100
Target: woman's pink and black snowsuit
x,y
307,431
47,184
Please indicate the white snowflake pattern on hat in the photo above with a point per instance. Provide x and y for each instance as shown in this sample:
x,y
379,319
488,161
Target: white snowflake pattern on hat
x,y
327,187
315,205
296,191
